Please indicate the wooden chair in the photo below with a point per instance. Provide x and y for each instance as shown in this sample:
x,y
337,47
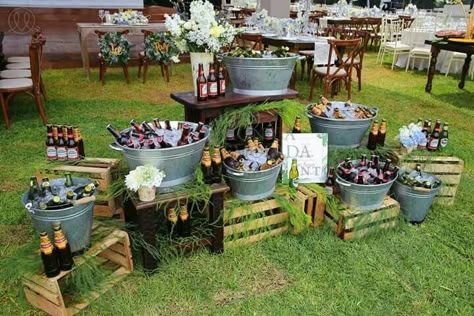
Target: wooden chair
x,y
10,87
345,51
407,21
2,56
242,40
37,34
103,63
143,61
373,27
359,54
308,59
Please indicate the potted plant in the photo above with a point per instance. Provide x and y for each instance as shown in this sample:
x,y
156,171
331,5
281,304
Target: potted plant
x,y
144,180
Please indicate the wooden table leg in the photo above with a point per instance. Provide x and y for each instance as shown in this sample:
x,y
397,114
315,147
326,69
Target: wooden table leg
x,y
147,226
84,55
216,217
434,57
465,70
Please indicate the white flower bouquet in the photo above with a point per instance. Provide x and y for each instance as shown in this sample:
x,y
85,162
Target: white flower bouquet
x,y
202,33
129,17
144,176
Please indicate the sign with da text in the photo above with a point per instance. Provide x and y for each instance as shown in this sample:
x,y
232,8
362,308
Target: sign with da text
x,y
311,151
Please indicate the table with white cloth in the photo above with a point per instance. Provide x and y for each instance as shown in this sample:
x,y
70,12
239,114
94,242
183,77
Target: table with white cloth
x,y
333,20
415,38
86,29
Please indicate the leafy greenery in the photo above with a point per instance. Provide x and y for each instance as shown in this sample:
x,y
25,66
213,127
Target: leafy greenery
x,y
115,48
161,47
280,52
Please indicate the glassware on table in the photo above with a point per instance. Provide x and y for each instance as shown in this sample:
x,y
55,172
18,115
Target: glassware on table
x,y
108,17
102,16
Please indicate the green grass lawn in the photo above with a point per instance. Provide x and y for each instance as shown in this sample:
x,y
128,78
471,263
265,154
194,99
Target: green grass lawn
x,y
412,270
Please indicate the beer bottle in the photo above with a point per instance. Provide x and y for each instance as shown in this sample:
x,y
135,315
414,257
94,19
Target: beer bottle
x,y
79,142
68,181
51,153
136,127
171,220
363,160
72,150
161,141
201,84
381,133
61,145
147,128
230,140
180,125
273,153
206,165
216,165
184,135
221,80
433,141
34,188
228,160
199,127
386,167
268,135
360,178
120,138
70,196
55,133
49,256
337,114
372,144
267,165
429,127
66,261
297,126
375,162
156,123
249,132
294,174
424,130
184,226
212,85
330,181
443,137
46,185
168,125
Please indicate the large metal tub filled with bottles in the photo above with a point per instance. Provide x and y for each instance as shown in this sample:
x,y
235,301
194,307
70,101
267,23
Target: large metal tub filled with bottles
x,y
345,123
68,201
171,146
251,166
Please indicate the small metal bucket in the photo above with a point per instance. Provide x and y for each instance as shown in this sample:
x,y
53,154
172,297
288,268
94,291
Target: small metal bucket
x,y
341,133
178,163
414,202
253,185
363,197
76,221
260,76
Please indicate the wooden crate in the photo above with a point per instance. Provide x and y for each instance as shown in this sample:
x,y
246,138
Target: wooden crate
x,y
312,206
102,170
251,223
448,169
45,293
351,224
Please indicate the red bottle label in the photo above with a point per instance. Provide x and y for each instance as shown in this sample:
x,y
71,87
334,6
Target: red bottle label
x,y
268,133
51,152
72,153
433,144
203,90
62,153
212,88
222,85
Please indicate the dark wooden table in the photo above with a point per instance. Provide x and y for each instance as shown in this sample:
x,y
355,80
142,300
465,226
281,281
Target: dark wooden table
x,y
148,215
436,47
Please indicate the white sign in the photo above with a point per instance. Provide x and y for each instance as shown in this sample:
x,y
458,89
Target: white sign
x,y
311,151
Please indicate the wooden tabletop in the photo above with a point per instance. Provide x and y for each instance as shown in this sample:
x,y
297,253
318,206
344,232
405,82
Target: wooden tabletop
x,y
230,99
452,46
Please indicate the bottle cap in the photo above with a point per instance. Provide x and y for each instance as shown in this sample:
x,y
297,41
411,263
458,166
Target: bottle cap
x,y
56,226
43,234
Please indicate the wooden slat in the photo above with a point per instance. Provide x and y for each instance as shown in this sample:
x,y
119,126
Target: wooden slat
x,y
319,213
43,281
331,222
445,201
387,202
434,159
113,256
99,173
43,304
309,203
436,168
255,238
300,202
449,179
368,218
253,209
256,223
111,162
447,191
53,297
362,232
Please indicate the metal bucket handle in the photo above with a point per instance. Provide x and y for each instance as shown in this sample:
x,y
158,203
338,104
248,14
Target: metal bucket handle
x,y
237,174
116,147
342,183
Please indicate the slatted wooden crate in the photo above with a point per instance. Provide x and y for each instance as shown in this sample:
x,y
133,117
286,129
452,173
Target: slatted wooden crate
x,y
448,169
312,205
250,223
102,170
351,224
46,293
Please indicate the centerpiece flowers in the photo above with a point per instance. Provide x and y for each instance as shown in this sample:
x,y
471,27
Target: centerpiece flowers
x,y
411,137
144,180
202,35
129,17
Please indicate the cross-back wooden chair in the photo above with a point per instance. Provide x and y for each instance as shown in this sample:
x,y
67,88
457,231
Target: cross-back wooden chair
x,y
343,51
144,60
373,26
358,23
2,56
103,63
30,86
407,21
359,54
243,40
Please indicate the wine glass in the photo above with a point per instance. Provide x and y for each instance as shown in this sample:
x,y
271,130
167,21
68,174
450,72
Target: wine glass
x,y
102,15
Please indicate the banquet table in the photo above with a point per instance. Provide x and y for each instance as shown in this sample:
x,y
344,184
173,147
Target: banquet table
x,y
86,29
325,21
436,47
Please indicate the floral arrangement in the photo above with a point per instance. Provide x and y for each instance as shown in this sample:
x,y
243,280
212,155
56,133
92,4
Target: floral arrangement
x,y
251,53
114,48
202,33
411,9
144,176
161,47
129,17
411,136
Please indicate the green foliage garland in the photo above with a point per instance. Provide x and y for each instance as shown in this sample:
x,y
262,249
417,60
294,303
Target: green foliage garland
x,y
161,47
115,48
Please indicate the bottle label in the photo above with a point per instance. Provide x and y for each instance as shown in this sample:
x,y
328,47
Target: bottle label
x,y
443,142
72,153
294,183
268,133
60,241
47,249
222,85
203,90
249,131
212,88
51,152
62,153
433,143
230,134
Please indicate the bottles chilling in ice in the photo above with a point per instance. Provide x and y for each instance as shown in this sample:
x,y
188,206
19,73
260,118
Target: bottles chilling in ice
x,y
366,172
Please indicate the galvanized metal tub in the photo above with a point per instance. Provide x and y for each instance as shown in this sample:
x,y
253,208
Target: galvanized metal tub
x,y
252,185
76,221
260,76
414,202
341,133
363,197
178,163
